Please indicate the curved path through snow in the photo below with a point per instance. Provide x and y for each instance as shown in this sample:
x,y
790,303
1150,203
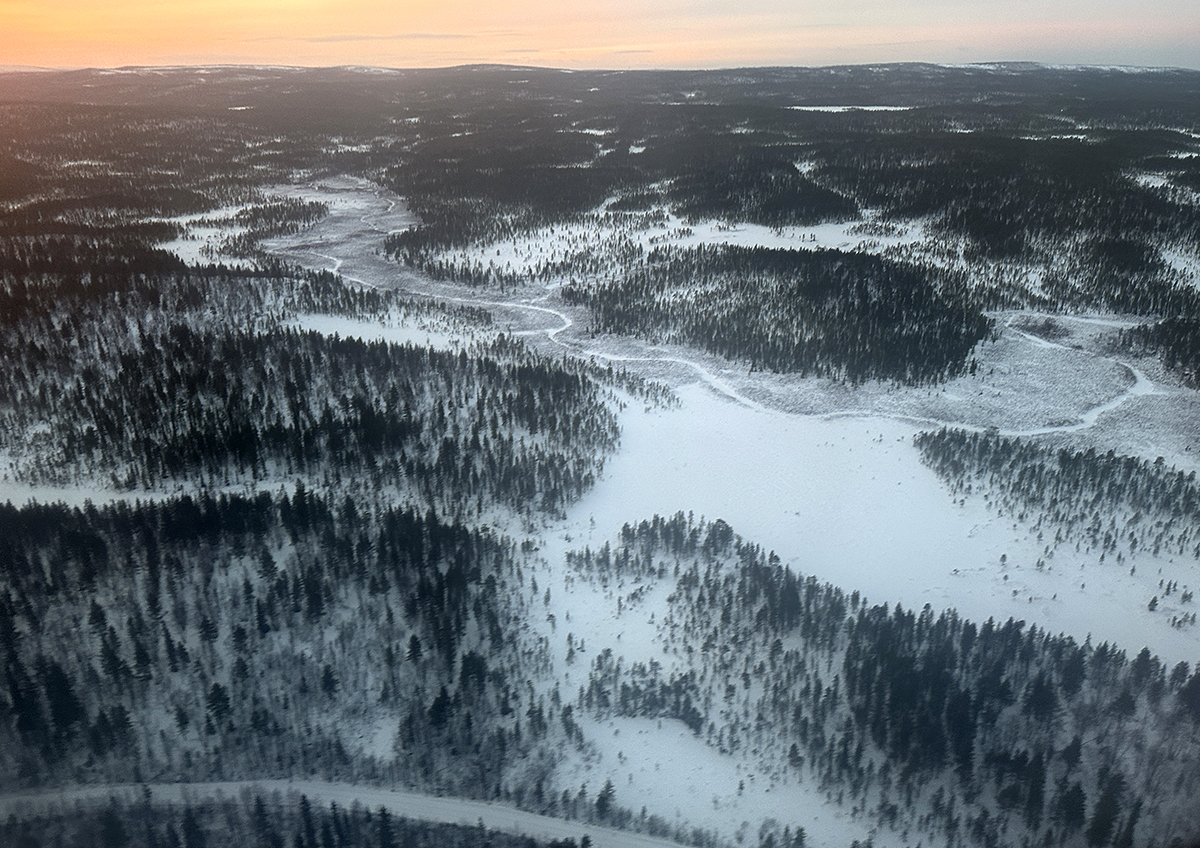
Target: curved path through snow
x,y
1140,387
552,335
363,242
398,802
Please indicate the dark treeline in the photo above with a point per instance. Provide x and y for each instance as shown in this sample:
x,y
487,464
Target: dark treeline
x,y
758,186
1063,482
236,297
502,179
221,638
844,315
1092,276
499,423
97,186
991,734
109,255
134,381
273,822
1175,340
1006,193
267,220
1117,505
281,217
488,177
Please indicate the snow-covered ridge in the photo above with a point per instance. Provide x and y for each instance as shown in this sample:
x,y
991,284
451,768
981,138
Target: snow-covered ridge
x,y
853,108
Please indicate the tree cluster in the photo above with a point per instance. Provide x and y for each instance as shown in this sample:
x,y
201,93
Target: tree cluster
x,y
848,316
137,382
1005,192
498,423
232,637
987,734
1117,505
1175,340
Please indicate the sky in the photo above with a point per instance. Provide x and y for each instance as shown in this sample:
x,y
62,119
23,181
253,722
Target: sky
x,y
596,33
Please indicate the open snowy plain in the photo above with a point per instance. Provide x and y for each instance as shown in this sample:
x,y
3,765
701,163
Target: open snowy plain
x,y
822,473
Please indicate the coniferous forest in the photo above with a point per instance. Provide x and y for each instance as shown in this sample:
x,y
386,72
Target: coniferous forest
x,y
844,315
316,387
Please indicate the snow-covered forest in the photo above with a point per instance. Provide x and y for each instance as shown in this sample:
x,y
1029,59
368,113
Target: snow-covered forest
x,y
691,457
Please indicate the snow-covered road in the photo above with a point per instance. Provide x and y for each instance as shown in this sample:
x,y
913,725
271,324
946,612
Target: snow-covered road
x,y
398,802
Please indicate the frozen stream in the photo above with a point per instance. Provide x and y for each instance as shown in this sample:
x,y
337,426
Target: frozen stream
x,y
825,474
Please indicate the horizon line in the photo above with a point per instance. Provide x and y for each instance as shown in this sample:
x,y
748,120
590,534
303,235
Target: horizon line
x,y
1014,64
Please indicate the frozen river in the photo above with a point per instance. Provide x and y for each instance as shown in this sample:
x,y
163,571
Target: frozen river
x,y
826,475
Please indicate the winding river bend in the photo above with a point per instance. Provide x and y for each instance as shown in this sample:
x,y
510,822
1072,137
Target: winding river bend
x,y
802,466
349,242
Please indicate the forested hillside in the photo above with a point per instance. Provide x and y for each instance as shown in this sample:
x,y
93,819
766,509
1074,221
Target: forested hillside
x,y
977,733
266,636
1175,340
313,381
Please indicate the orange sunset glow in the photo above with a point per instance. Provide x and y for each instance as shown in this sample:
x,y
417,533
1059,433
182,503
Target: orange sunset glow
x,y
591,34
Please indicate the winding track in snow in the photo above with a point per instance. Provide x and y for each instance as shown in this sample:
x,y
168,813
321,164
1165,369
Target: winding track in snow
x,y
398,802
705,375
1140,386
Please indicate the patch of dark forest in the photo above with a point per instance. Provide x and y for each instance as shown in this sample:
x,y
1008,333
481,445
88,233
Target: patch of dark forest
x,y
215,621
828,313
976,733
1114,506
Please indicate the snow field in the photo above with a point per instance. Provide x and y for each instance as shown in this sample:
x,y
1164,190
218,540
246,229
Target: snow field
x,y
420,334
659,765
848,500
823,474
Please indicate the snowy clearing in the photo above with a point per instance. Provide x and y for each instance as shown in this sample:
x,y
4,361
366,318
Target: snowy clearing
x,y
661,766
825,473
